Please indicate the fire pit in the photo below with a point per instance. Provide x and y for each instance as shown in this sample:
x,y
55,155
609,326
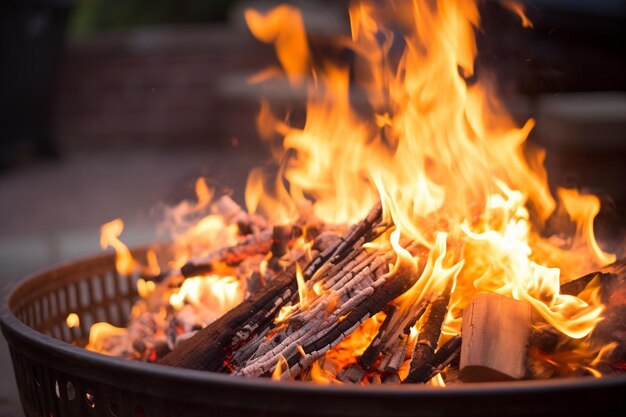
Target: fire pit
x,y
58,378
411,240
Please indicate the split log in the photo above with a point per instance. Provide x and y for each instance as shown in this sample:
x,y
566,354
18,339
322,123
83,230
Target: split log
x,y
428,336
495,336
353,373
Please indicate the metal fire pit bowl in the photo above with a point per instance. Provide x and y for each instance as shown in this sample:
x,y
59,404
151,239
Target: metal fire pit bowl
x,y
57,378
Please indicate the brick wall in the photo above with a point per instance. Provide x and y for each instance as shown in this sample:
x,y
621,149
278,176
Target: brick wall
x,y
161,87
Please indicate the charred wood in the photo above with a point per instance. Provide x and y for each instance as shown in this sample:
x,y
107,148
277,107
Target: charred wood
x,y
211,347
443,357
429,334
252,245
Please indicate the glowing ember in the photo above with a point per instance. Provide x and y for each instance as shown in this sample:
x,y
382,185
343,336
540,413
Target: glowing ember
x,y
464,209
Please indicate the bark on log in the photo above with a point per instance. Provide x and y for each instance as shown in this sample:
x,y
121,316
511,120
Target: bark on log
x,y
444,356
495,336
370,356
428,336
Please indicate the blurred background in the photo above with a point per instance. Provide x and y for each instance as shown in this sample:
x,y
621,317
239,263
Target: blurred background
x,y
109,108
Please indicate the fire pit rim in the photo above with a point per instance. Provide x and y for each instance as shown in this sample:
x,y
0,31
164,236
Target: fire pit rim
x,y
10,323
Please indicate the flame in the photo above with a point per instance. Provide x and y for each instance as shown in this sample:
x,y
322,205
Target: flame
x,y
437,381
302,290
220,293
448,163
144,288
72,320
283,26
582,209
100,333
282,367
109,233
518,9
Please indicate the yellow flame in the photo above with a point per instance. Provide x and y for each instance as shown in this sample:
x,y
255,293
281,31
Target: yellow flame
x,y
447,162
72,320
219,293
203,193
302,290
144,288
582,209
282,366
100,332
437,381
109,233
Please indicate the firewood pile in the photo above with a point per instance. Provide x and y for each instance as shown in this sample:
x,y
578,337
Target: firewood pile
x,y
328,306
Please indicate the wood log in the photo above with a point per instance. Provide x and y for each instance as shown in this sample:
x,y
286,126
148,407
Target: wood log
x,y
607,274
252,245
210,348
339,250
428,336
444,356
495,336
331,330
353,373
370,356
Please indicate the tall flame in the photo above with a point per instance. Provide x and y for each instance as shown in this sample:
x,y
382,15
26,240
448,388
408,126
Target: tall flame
x,y
440,152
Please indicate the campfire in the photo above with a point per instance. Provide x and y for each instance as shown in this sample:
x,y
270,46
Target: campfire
x,y
406,234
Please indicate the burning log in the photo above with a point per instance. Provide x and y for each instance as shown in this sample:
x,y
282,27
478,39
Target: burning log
x,y
370,356
428,336
606,274
445,355
304,341
253,245
212,346
345,245
496,330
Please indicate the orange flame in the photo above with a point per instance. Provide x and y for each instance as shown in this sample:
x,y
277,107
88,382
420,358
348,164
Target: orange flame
x,y
443,156
109,234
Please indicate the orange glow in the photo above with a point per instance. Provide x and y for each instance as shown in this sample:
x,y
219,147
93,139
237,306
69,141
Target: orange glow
x,y
218,294
72,320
